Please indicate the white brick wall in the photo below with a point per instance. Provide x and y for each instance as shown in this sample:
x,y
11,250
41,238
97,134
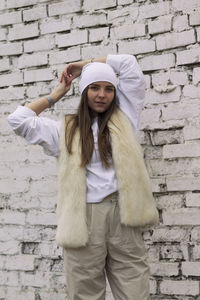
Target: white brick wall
x,y
37,39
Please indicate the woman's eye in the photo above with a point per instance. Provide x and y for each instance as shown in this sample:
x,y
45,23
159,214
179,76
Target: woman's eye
x,y
95,88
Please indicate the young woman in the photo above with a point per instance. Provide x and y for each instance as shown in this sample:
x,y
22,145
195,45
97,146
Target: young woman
x,y
104,190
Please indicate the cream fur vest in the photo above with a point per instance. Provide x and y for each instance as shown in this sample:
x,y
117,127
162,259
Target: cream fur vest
x,y
137,205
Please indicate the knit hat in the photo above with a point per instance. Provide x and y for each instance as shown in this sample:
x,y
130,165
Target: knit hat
x,y
97,71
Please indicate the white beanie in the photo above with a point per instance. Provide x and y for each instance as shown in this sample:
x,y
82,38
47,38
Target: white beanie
x,y
97,71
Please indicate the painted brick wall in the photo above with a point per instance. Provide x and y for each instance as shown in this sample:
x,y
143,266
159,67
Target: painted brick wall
x,y
37,39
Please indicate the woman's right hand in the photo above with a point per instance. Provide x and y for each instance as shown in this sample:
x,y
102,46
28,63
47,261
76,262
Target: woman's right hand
x,y
73,70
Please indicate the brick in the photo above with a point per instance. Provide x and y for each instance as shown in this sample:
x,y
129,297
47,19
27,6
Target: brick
x,y
11,79
41,219
157,62
184,5
9,278
4,64
124,2
34,13
38,75
116,17
40,44
179,287
154,10
188,56
98,34
196,252
2,4
164,269
65,7
39,279
3,34
89,20
11,49
180,111
10,248
162,24
194,18
185,183
154,97
91,5
169,201
10,18
137,47
180,23
76,37
193,200
149,116
191,91
20,31
51,26
128,31
12,93
167,137
32,60
158,167
12,217
171,252
20,262
179,77
198,34
174,40
98,51
20,3
184,150
181,216
191,132
72,54
195,234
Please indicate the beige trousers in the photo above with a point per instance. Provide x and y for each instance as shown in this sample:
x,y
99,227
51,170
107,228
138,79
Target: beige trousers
x,y
114,250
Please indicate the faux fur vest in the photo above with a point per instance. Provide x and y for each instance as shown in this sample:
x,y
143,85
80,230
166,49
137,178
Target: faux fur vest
x,y
137,205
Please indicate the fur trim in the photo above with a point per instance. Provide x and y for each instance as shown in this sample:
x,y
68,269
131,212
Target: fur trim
x,y
137,205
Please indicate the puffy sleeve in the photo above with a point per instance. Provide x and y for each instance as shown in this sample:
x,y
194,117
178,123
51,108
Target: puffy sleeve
x,y
131,86
35,129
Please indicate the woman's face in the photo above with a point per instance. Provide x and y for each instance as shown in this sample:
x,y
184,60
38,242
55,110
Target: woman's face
x,y
100,95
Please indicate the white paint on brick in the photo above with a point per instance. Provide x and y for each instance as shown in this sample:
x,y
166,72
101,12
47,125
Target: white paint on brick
x,y
11,93
97,51
162,24
70,55
191,91
174,40
76,37
98,34
21,31
157,62
170,235
164,269
3,34
10,248
39,279
137,47
185,5
4,64
41,218
118,16
20,3
180,111
154,97
198,34
180,23
20,262
154,10
180,287
66,7
194,18
40,44
14,78
89,5
128,31
32,60
51,25
188,56
191,132
10,18
181,216
89,20
34,13
11,49
38,75
193,199
2,4
185,183
149,116
12,217
184,150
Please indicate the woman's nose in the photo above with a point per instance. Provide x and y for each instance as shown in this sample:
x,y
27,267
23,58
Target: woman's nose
x,y
101,92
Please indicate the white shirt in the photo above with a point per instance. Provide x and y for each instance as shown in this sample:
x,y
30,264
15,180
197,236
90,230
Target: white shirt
x,y
45,132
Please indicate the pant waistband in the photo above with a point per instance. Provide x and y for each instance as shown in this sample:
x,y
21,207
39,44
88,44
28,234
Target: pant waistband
x,y
112,197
